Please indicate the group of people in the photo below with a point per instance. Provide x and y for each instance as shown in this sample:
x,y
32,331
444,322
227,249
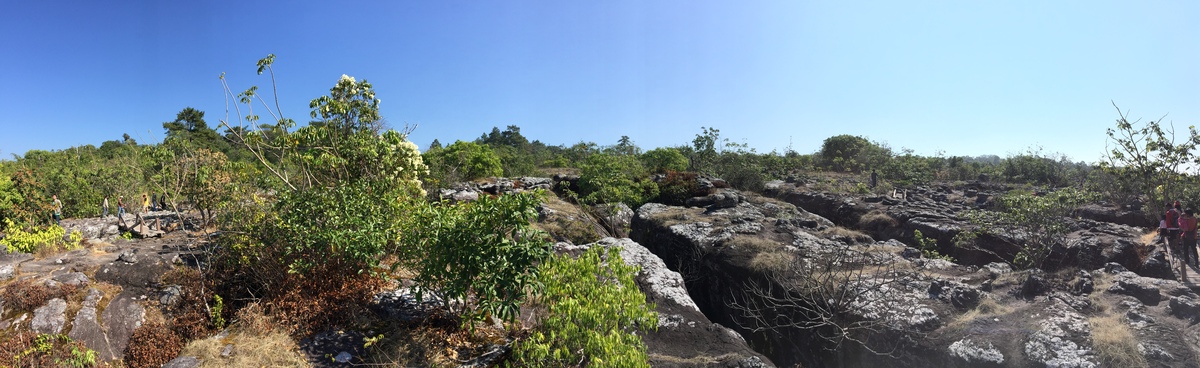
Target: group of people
x,y
1178,228
152,202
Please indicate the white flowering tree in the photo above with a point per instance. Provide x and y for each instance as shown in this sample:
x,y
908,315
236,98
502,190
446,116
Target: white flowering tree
x,y
345,179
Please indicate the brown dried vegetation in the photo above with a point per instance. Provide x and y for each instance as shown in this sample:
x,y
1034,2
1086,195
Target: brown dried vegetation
x,y
152,345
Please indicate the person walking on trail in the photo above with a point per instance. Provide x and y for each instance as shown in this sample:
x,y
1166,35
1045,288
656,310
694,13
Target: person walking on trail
x,y
57,210
1187,225
105,208
1173,240
120,207
145,203
1162,230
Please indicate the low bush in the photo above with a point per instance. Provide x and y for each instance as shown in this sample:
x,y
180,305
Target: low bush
x,y
592,309
677,187
27,295
152,345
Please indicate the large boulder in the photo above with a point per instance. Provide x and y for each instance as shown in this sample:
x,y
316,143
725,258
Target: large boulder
x,y
120,318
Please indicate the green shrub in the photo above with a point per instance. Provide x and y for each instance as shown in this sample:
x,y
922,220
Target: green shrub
x,y
353,223
484,249
22,239
593,309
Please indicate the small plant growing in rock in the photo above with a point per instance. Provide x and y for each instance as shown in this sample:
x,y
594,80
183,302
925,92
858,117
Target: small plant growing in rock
x,y
928,247
28,349
218,321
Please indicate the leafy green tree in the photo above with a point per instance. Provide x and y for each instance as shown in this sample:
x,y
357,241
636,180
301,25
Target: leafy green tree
x,y
704,150
852,153
664,159
189,125
1147,160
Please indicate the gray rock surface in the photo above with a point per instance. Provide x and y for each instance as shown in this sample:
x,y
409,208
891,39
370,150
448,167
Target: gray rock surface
x,y
1061,340
73,279
659,282
183,362
976,353
7,271
128,256
170,295
122,315
49,318
86,328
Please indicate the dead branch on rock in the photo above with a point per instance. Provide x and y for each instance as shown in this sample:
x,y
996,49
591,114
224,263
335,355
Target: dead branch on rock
x,y
840,295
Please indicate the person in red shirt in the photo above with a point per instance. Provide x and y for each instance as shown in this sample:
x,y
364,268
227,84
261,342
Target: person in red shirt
x,y
1187,225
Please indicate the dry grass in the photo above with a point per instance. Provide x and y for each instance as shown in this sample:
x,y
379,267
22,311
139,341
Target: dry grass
x,y
753,243
570,223
876,220
1100,282
772,261
436,341
987,307
258,342
1114,343
841,233
677,215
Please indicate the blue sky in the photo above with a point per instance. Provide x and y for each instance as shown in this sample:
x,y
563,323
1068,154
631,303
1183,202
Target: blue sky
x,y
963,77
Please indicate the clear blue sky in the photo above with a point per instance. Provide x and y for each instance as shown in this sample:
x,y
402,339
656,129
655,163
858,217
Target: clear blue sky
x,y
963,77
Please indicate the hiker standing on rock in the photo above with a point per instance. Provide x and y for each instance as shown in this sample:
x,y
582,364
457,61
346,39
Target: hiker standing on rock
x,y
120,207
874,178
1187,224
145,203
105,207
57,210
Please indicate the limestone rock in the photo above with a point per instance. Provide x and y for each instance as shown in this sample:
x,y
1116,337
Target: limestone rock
x,y
1156,265
170,295
86,327
49,318
73,279
1144,289
976,353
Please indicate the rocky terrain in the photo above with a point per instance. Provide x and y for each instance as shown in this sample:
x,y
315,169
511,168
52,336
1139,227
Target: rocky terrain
x,y
791,277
